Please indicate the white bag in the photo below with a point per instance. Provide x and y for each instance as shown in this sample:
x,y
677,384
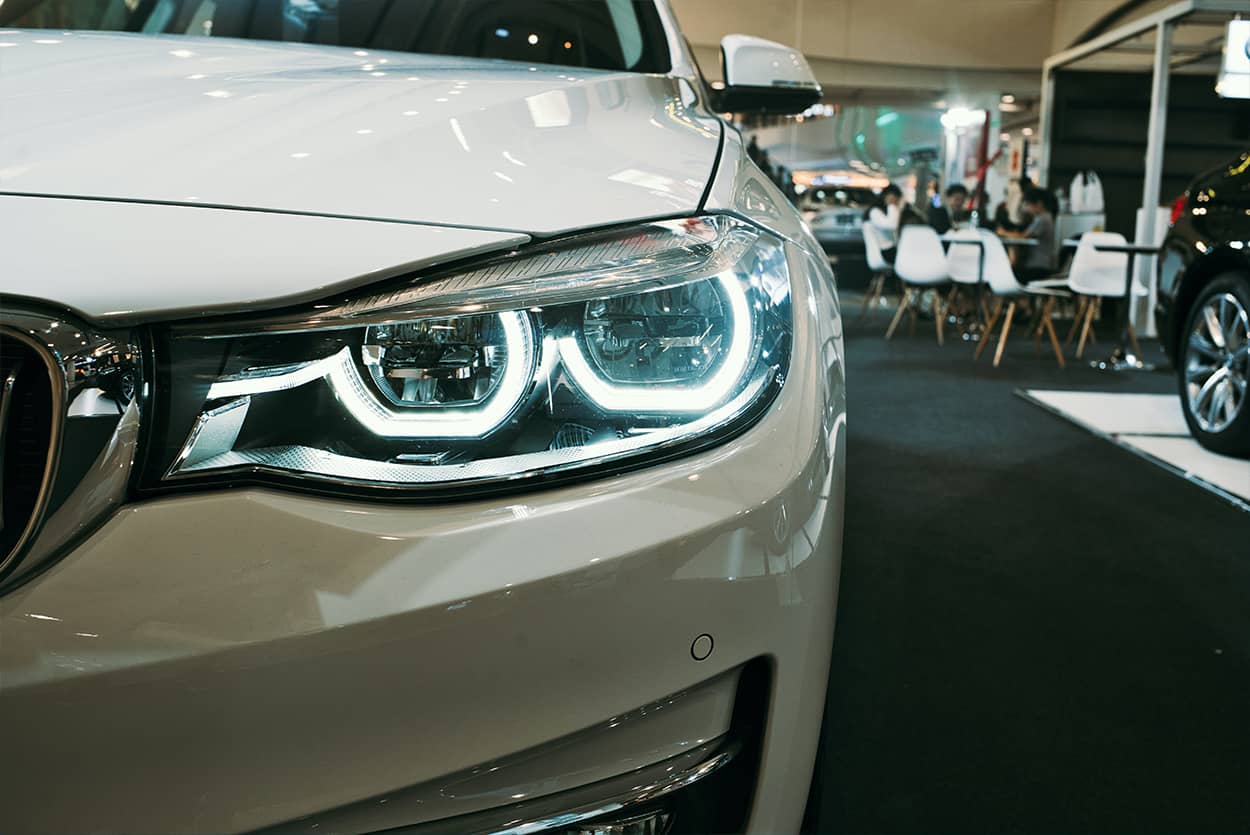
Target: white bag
x,y
1094,201
1076,194
1086,196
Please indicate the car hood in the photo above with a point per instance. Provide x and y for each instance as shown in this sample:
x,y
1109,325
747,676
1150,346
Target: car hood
x,y
351,133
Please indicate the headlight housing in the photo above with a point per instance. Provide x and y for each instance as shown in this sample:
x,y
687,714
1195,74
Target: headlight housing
x,y
605,350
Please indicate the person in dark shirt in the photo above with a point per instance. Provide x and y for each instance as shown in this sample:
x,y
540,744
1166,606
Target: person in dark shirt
x,y
944,218
1035,263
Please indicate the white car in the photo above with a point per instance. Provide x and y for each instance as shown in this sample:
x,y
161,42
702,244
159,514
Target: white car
x,y
839,229
436,424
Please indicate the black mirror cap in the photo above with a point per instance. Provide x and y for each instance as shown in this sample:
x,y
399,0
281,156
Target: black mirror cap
x,y
775,100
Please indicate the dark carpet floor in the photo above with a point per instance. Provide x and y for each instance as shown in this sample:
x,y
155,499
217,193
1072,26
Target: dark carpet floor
x,y
1037,631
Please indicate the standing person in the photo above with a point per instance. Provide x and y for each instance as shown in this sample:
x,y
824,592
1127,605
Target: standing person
x,y
1038,207
944,218
765,162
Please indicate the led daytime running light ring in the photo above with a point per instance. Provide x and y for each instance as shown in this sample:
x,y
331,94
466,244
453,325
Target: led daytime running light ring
x,y
340,372
617,398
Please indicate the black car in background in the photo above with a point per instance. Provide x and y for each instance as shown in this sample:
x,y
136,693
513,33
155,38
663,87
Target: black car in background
x,y
1203,307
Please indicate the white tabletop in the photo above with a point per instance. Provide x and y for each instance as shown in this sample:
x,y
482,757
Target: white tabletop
x,y
951,238
1136,249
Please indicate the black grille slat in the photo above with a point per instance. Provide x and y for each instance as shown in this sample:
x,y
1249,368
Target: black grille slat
x,y
26,436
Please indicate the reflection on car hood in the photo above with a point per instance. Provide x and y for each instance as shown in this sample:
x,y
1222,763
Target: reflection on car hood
x,y
335,131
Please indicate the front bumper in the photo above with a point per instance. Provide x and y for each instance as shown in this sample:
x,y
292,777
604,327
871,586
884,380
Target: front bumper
x,y
235,660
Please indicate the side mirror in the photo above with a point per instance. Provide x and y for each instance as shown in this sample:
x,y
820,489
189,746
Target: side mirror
x,y
764,77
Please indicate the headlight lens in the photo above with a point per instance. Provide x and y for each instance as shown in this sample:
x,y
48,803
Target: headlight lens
x,y
604,349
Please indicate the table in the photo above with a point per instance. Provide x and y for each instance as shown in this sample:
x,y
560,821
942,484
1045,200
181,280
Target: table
x,y
1122,359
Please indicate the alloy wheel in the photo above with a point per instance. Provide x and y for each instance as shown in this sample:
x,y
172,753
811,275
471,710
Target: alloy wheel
x,y
1217,362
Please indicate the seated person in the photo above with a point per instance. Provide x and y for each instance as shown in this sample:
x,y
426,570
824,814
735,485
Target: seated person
x,y
944,218
1034,263
1002,220
889,215
884,216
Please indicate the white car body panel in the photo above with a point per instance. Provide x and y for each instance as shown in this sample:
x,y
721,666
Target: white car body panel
x,y
431,139
253,618
233,659
126,261
740,187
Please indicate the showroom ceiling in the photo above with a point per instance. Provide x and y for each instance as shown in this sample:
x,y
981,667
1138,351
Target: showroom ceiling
x,y
866,49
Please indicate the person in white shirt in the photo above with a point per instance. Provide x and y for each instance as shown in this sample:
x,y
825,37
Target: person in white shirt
x,y
884,215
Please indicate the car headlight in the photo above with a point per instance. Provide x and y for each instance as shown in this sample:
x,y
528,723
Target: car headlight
x,y
607,349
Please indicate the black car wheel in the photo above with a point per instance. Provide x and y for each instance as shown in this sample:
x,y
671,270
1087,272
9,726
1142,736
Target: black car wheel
x,y
1215,366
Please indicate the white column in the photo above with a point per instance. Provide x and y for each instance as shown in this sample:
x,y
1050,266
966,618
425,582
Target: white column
x,y
1147,229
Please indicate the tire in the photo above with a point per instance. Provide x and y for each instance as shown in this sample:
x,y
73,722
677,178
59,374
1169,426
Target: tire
x,y
1213,366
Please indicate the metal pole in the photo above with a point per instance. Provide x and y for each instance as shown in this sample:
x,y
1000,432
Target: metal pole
x,y
1155,140
1047,128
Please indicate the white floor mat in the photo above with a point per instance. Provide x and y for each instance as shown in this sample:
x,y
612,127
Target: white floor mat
x,y
1153,426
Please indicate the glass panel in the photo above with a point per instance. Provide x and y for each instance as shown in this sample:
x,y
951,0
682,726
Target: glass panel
x,y
599,34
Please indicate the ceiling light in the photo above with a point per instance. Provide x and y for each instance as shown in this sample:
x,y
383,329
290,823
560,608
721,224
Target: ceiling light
x,y
962,117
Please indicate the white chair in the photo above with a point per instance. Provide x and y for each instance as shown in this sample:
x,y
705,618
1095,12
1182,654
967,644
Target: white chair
x,y
963,262
1096,275
1002,281
920,264
881,269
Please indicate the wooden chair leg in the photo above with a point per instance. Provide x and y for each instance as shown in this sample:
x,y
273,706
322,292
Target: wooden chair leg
x,y
1076,319
1054,337
1089,320
903,304
874,294
1132,338
951,299
1002,340
989,328
872,289
1093,332
1036,326
939,317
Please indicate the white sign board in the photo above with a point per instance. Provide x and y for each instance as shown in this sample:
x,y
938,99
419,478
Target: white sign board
x,y
1234,82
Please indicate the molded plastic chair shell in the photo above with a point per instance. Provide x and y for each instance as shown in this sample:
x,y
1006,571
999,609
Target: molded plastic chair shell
x,y
873,247
998,272
920,259
963,261
1095,273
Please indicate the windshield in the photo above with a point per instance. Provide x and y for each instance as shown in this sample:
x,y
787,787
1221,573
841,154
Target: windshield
x,y
598,34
